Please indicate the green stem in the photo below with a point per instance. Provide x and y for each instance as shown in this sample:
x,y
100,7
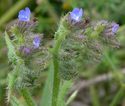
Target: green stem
x,y
94,96
118,95
27,97
113,67
15,102
56,80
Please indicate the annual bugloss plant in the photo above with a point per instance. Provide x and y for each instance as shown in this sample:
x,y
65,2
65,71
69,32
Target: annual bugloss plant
x,y
75,39
25,53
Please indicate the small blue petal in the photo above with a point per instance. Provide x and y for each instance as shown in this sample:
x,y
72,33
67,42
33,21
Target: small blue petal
x,y
76,14
24,15
21,12
80,12
28,10
76,11
78,19
36,42
73,16
115,28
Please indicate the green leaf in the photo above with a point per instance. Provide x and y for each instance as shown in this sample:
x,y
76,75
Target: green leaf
x,y
97,32
47,92
27,97
64,89
94,96
118,96
56,35
100,28
11,52
15,102
12,79
71,98
16,31
89,31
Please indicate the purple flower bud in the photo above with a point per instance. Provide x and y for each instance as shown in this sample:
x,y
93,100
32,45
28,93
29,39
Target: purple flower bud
x,y
115,28
104,22
23,45
27,50
36,42
24,15
76,14
113,23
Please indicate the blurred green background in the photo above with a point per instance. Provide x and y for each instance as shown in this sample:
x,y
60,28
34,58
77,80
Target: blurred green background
x,y
94,89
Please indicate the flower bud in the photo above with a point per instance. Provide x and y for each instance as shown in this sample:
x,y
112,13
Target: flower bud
x,y
110,29
36,42
76,25
26,26
115,28
27,50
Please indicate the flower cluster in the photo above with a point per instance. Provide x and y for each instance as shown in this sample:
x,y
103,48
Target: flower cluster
x,y
76,40
28,48
108,34
84,41
81,40
74,21
110,29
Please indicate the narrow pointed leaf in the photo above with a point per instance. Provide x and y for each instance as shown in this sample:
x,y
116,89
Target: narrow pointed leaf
x,y
15,102
47,92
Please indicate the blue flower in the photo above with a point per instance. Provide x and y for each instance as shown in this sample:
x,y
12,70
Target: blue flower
x,y
24,15
115,28
76,14
36,42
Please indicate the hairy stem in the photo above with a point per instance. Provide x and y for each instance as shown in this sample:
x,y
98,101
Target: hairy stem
x,y
56,80
27,97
